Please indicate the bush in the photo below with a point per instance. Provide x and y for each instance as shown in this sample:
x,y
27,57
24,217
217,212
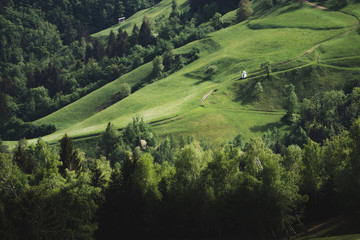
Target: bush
x,y
125,90
16,129
210,70
244,11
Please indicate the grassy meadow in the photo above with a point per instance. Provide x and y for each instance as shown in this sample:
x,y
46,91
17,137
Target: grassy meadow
x,y
172,104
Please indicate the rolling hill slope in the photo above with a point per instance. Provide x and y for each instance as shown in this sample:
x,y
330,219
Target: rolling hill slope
x,y
173,103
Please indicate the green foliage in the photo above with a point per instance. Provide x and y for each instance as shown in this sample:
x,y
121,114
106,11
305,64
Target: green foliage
x,y
110,140
145,36
244,11
258,89
71,159
291,102
138,130
158,67
125,90
266,66
100,173
216,21
210,70
145,178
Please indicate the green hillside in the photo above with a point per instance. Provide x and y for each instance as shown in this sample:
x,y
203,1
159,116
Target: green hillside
x,y
174,102
154,132
156,13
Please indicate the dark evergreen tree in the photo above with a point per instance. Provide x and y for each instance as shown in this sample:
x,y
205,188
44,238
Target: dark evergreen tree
x,y
24,158
4,110
110,140
145,36
111,45
98,50
134,38
70,158
7,86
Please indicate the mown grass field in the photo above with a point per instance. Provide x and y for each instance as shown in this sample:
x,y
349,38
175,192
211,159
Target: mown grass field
x,y
173,103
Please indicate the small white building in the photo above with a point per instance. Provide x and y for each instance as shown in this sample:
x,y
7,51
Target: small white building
x,y
243,74
121,20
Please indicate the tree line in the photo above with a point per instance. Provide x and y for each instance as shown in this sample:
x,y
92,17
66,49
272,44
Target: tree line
x,y
145,186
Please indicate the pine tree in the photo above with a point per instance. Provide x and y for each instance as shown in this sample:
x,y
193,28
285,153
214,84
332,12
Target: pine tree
x,y
145,35
175,11
23,158
134,38
70,159
4,110
110,140
111,45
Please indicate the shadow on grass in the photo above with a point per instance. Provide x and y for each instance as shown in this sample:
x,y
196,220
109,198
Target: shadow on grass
x,y
245,90
290,9
266,127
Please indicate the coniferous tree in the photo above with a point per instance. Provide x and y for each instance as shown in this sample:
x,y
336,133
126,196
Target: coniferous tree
x,y
111,45
23,158
123,45
134,38
4,110
98,51
110,140
145,35
70,158
175,11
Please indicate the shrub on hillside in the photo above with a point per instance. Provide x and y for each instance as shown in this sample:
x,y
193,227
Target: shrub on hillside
x,y
244,11
16,129
125,90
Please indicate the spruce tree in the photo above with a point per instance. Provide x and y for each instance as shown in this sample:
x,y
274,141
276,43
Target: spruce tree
x,y
145,35
134,38
70,159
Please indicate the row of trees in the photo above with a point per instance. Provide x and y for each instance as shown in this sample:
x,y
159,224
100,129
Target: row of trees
x,y
141,186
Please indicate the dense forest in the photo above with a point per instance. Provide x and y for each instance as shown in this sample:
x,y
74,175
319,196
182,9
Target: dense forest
x,y
138,184
142,186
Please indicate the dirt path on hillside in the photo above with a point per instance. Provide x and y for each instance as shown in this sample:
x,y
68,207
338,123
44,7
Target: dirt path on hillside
x,y
205,96
315,5
312,49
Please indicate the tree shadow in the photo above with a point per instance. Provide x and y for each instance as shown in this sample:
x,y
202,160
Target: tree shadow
x,y
205,79
266,127
245,91
290,9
